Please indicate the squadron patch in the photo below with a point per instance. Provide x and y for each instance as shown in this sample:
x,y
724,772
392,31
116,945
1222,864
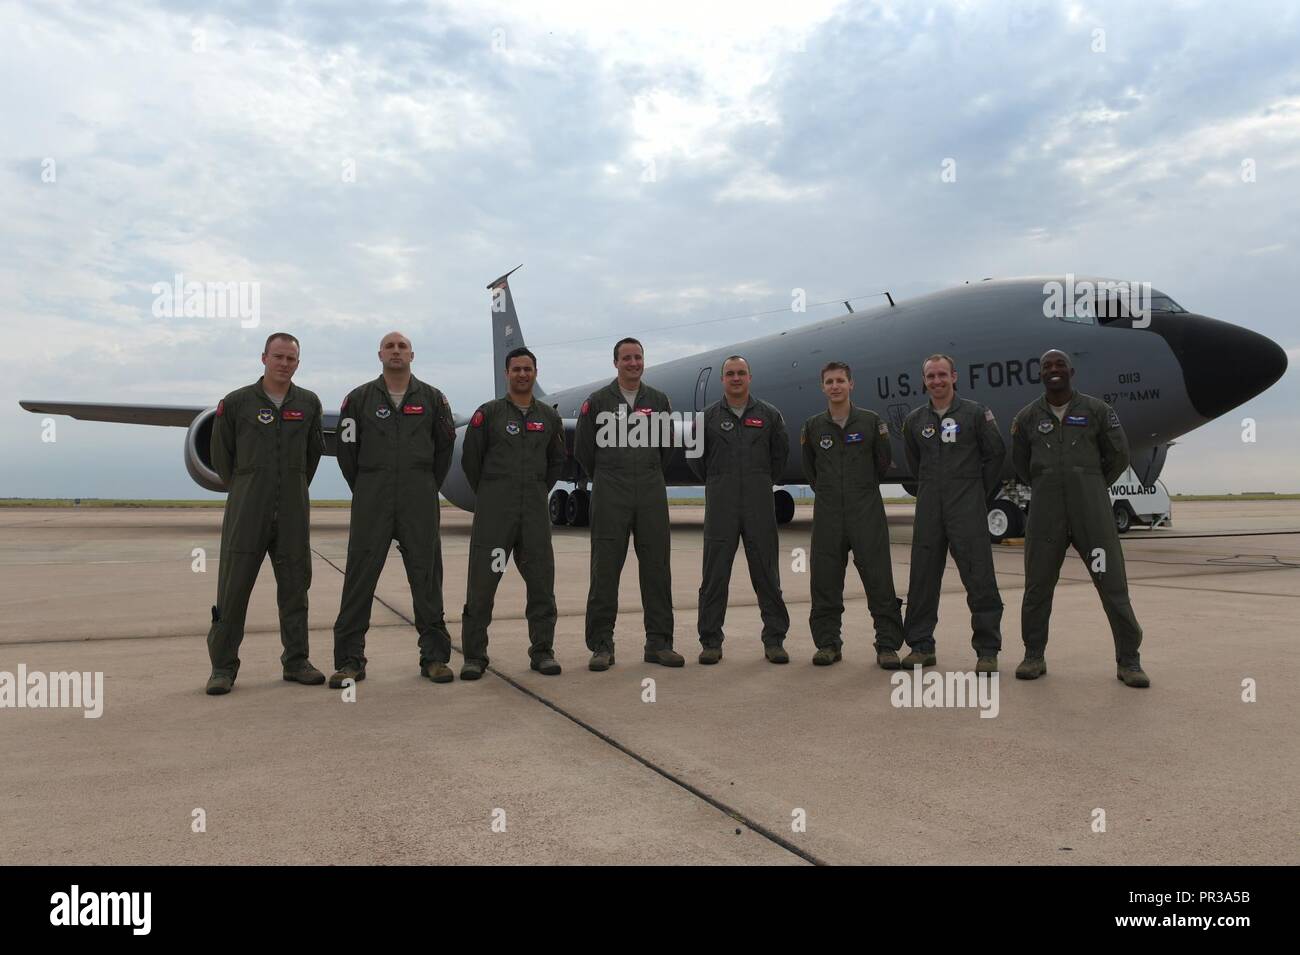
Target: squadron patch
x,y
383,411
927,431
826,442
266,416
477,420
726,424
512,427
1045,427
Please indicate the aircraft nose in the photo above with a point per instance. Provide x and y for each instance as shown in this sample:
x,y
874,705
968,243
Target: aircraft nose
x,y
1223,364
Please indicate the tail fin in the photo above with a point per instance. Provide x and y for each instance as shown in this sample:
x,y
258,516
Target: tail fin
x,y
506,333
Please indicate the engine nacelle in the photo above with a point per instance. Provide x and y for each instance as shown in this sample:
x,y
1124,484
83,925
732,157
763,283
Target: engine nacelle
x,y
456,488
198,452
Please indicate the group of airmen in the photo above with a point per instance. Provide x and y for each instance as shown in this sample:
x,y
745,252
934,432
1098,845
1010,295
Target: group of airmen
x,y
395,439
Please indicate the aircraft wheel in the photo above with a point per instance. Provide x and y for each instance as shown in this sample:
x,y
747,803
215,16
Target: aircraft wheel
x,y
783,501
578,510
559,507
1005,520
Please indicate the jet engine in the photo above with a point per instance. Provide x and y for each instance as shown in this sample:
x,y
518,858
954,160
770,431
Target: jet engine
x,y
198,452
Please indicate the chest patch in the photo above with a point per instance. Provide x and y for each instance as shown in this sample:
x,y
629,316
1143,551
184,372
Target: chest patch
x,y
927,431
950,426
535,425
1077,420
383,411
854,438
412,409
512,427
1046,427
753,422
292,416
726,424
266,416
644,411
826,442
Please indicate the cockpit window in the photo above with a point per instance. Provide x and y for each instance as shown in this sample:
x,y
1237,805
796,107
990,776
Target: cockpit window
x,y
1119,304
1160,302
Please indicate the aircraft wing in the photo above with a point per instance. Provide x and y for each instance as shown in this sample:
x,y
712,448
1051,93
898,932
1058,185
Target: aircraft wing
x,y
167,416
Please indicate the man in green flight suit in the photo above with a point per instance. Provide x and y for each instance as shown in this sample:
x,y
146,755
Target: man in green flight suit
x,y
266,443
956,453
395,440
512,456
745,449
846,453
620,443
1070,448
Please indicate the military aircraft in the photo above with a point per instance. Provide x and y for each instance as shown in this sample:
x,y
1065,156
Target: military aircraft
x,y
1164,369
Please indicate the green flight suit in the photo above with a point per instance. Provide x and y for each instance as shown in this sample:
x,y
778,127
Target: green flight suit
x,y
1069,466
511,460
266,457
628,497
844,467
743,457
397,459
957,461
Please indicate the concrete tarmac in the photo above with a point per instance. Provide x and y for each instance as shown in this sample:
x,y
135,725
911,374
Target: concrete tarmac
x,y
722,767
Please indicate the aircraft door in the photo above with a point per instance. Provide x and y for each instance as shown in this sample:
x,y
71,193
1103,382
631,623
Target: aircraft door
x,y
702,389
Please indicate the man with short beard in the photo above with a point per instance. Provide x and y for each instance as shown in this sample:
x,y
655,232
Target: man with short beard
x,y
1070,448
512,456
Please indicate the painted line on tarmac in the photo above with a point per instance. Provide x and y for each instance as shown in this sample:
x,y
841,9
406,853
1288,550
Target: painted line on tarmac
x,y
751,824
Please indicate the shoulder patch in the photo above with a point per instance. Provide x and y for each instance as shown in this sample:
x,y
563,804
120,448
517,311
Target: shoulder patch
x,y
477,420
344,405
586,406
1112,420
883,429
988,414
221,407
1015,426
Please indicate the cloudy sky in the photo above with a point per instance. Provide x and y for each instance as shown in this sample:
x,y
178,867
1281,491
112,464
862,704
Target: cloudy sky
x,y
373,166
